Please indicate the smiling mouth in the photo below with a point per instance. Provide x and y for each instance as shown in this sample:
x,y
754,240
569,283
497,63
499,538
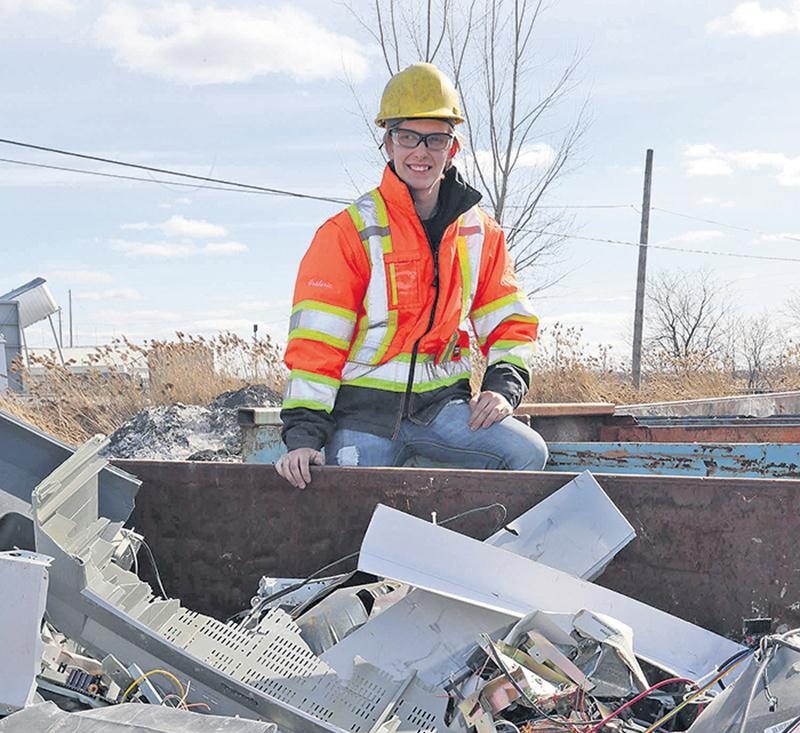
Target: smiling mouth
x,y
418,168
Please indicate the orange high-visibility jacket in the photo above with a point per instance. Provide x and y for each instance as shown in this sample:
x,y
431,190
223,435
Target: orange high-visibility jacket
x,y
379,332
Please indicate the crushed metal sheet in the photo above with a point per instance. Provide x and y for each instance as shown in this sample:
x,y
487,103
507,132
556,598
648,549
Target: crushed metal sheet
x,y
269,672
609,661
772,680
21,613
128,718
28,455
576,529
416,552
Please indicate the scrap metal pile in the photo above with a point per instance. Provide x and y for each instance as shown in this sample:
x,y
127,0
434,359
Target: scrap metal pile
x,y
434,631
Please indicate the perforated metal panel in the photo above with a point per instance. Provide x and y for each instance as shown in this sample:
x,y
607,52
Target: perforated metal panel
x,y
266,672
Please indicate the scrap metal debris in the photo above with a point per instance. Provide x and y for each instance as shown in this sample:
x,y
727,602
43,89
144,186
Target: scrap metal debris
x,y
20,614
49,718
434,632
181,432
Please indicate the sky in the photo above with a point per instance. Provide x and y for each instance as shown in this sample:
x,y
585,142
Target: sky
x,y
268,93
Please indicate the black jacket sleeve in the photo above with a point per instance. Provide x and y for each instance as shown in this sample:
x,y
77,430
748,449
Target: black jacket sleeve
x,y
306,428
507,379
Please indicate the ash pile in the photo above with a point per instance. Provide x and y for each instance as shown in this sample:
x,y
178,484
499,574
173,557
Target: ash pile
x,y
434,631
181,432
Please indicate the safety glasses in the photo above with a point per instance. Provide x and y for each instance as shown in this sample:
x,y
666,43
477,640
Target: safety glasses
x,y
411,139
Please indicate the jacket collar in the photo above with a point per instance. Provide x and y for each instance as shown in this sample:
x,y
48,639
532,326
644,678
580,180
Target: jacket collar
x,y
456,196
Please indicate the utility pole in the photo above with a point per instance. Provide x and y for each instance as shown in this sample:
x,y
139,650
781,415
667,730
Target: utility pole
x,y
70,318
641,274
60,328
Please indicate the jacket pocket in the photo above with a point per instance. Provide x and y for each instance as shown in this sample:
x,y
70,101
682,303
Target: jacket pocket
x,y
403,280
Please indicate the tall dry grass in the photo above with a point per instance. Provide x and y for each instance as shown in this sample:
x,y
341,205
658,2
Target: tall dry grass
x,y
110,389
194,370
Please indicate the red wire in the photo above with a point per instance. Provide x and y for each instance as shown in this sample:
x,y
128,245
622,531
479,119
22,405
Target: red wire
x,y
637,698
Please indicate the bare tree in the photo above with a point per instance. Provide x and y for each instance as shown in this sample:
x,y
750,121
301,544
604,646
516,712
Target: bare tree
x,y
792,308
518,146
759,344
686,316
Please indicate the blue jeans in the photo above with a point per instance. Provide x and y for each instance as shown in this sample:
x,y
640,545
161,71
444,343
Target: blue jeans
x,y
508,444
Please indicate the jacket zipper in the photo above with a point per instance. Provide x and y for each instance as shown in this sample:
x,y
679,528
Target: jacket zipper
x,y
405,402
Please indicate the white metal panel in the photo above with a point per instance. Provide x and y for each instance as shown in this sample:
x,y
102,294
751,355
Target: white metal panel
x,y
23,580
35,301
413,551
577,529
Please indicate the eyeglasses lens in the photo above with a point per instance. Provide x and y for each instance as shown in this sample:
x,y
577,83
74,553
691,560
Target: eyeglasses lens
x,y
411,139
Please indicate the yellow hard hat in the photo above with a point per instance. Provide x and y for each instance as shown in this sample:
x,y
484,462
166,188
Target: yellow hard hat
x,y
419,90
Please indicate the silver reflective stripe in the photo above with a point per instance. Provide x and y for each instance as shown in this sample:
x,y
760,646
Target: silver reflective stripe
x,y
396,372
472,229
376,231
306,390
487,323
377,292
315,319
520,354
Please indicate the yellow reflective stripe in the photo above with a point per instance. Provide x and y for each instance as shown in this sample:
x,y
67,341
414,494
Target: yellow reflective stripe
x,y
334,322
518,353
358,222
450,348
509,344
311,387
363,324
314,377
326,307
398,387
495,304
394,374
383,219
311,335
513,307
393,282
391,329
466,275
310,404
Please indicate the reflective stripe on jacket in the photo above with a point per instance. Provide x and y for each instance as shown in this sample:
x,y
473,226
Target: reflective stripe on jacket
x,y
364,295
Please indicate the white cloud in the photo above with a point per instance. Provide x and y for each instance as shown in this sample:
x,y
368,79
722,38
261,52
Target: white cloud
x,y
218,45
751,19
46,7
171,250
709,160
708,167
113,294
715,201
225,248
535,155
153,249
179,226
538,155
699,235
70,277
779,237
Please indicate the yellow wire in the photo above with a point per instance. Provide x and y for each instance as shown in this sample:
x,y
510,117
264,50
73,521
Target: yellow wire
x,y
694,695
143,677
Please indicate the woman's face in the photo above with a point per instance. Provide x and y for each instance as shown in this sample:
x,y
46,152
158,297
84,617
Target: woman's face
x,y
420,168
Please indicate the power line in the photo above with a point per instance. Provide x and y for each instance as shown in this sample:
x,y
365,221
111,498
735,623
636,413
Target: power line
x,y
166,171
238,187
144,180
230,189
574,206
727,226
625,243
